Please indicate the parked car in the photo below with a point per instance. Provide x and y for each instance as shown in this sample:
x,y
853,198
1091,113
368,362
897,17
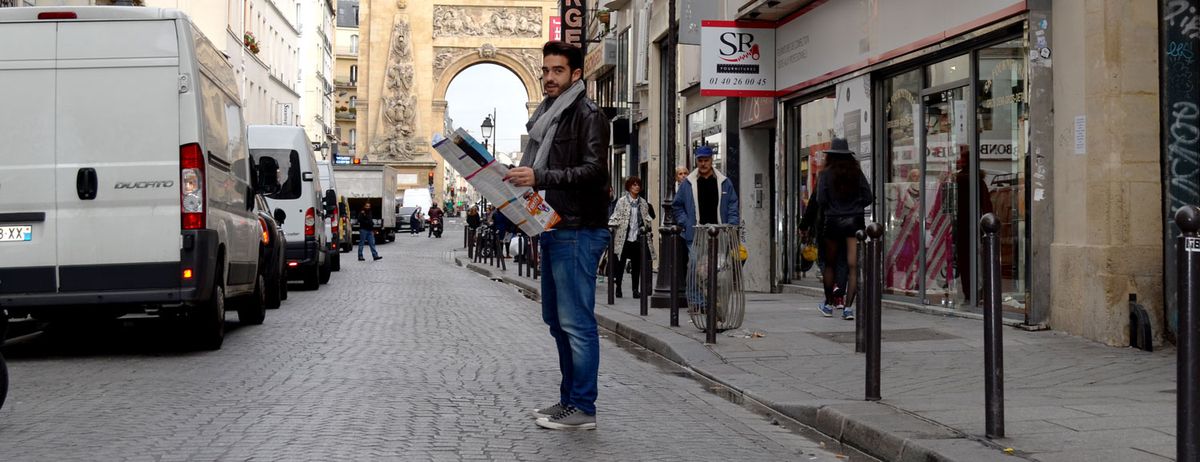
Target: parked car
x,y
133,184
272,264
301,195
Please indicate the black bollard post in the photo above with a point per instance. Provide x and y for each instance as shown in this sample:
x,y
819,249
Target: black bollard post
x,y
466,232
1187,440
710,305
872,308
671,233
501,247
612,265
864,266
993,336
647,271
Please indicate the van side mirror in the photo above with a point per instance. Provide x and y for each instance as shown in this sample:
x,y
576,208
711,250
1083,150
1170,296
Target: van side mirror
x,y
267,175
280,216
330,201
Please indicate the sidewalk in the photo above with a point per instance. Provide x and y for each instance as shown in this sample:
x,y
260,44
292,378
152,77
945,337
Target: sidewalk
x,y
1067,399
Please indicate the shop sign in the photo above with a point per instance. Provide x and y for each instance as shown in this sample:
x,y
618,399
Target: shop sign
x,y
555,28
573,25
737,58
600,59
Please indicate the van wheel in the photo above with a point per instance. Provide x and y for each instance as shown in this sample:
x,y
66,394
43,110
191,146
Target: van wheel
x,y
283,287
326,271
312,277
252,309
206,321
3,382
337,261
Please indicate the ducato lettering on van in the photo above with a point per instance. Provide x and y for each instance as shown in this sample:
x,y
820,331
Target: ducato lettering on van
x,y
145,185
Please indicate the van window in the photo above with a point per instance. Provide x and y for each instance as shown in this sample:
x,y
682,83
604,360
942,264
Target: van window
x,y
289,166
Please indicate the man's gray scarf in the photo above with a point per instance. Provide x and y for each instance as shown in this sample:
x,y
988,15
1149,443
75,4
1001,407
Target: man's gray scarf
x,y
544,123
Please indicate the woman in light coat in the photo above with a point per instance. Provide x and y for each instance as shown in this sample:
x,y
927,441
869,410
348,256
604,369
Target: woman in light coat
x,y
629,215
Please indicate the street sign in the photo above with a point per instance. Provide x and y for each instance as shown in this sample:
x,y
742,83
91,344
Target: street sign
x,y
737,58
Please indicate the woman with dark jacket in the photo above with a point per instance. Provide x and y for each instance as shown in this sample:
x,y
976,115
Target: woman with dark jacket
x,y
843,194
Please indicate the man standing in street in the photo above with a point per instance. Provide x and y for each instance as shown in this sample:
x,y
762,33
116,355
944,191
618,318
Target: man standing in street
x,y
566,157
705,197
366,232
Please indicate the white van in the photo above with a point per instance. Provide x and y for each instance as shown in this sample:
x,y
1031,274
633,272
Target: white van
x,y
125,183
301,195
336,225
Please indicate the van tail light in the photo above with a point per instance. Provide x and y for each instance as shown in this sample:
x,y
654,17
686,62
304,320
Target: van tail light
x,y
52,15
336,220
310,222
191,186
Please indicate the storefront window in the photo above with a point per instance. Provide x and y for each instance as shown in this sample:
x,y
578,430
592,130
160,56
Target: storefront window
x,y
902,185
1002,119
706,127
815,133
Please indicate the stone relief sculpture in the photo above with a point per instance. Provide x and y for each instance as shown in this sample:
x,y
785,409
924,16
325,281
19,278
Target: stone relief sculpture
x,y
399,105
443,57
451,21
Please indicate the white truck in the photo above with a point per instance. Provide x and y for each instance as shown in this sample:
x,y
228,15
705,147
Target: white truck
x,y
374,184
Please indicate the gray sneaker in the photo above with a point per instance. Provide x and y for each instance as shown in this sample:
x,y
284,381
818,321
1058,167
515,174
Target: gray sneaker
x,y
548,412
569,419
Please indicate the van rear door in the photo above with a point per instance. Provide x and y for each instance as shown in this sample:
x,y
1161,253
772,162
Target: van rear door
x,y
117,125
28,246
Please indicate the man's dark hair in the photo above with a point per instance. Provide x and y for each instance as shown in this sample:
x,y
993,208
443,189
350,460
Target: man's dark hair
x,y
573,53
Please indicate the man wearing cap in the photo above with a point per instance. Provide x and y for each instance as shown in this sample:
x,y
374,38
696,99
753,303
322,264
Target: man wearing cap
x,y
705,197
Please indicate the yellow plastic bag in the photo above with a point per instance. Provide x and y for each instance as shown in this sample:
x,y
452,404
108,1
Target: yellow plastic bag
x,y
809,252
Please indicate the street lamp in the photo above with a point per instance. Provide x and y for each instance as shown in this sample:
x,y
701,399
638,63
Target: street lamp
x,y
488,128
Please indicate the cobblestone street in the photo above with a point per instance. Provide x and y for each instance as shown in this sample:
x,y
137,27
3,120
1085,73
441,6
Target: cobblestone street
x,y
408,358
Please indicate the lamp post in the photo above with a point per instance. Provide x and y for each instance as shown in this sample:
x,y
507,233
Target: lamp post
x,y
488,128
662,293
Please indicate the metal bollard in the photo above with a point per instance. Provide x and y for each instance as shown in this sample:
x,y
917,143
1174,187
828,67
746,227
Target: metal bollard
x,y
993,336
647,271
466,232
669,234
612,265
710,305
872,309
1187,440
864,265
501,246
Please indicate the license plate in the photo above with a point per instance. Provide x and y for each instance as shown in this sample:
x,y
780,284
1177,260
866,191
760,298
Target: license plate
x,y
16,233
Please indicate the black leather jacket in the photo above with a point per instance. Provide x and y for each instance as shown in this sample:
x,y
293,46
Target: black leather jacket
x,y
577,170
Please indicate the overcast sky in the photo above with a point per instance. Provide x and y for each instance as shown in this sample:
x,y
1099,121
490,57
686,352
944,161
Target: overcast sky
x,y
479,89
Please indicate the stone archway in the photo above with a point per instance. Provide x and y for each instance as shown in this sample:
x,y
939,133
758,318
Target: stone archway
x,y
448,62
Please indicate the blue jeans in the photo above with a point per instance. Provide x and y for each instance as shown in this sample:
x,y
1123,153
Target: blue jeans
x,y
569,260
368,237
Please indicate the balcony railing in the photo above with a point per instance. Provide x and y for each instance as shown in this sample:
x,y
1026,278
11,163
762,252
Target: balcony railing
x,y
344,83
346,50
345,116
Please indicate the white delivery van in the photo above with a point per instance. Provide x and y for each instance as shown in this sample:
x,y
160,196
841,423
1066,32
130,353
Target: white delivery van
x,y
301,195
125,183
339,236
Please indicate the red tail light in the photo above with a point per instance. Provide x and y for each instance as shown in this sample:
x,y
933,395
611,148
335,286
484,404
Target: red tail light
x,y
191,186
336,220
50,15
310,222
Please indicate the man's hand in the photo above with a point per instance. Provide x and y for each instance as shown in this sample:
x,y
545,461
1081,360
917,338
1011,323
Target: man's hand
x,y
521,176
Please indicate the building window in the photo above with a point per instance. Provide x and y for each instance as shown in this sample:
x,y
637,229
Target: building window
x,y
354,43
353,74
353,102
353,138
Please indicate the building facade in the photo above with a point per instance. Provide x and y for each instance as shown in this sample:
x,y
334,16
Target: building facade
x,y
261,40
316,73
345,80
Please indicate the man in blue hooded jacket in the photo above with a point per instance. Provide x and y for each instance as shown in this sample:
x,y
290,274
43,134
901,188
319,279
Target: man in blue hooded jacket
x,y
705,197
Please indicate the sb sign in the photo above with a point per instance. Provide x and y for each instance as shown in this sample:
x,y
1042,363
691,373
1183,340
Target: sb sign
x,y
737,58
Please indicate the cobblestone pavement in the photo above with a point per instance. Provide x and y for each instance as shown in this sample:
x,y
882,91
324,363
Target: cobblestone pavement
x,y
408,358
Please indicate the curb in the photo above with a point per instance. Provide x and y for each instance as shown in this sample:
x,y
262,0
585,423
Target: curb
x,y
877,429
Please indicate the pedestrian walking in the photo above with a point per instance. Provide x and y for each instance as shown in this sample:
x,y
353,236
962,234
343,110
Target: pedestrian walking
x,y
631,212
705,197
843,194
567,157
366,232
414,222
